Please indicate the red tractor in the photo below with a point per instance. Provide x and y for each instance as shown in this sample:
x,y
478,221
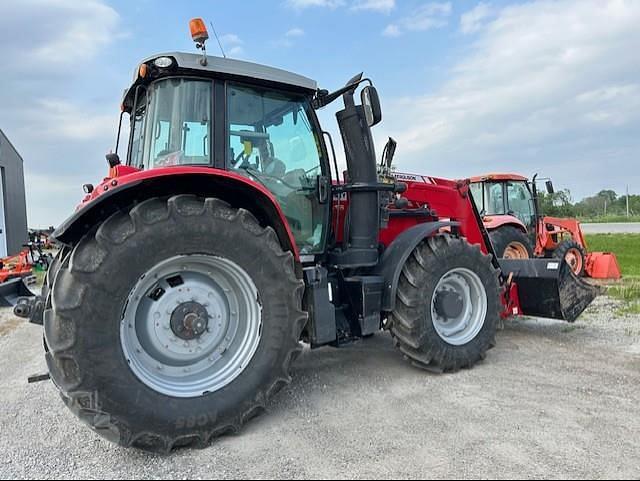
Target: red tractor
x,y
189,276
510,210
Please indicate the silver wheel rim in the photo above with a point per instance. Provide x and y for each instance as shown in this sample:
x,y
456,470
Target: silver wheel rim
x,y
219,303
466,287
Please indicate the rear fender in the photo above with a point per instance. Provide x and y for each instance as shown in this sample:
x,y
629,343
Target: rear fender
x,y
493,222
123,192
398,252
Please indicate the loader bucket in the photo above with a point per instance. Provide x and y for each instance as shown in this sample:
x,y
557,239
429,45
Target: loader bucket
x,y
548,288
12,290
603,265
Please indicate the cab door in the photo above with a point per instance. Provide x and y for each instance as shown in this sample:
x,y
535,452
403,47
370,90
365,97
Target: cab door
x,y
521,204
273,138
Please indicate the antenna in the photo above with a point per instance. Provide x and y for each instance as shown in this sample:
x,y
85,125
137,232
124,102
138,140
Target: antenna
x,y
217,38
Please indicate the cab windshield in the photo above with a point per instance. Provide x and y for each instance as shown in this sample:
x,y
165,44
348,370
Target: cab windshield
x,y
172,124
505,198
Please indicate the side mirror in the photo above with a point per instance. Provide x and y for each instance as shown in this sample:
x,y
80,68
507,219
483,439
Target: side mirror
x,y
550,188
389,152
371,104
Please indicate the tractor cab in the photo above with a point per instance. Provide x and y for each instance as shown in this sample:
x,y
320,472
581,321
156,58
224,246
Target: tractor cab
x,y
502,195
259,123
266,130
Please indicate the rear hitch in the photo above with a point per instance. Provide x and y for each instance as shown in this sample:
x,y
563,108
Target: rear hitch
x,y
30,308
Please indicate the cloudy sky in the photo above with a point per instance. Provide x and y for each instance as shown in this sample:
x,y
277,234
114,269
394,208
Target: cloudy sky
x,y
467,87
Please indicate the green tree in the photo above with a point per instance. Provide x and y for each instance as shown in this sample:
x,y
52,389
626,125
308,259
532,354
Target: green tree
x,y
557,204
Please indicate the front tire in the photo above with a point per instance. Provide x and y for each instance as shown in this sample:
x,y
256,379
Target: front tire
x,y
107,355
574,255
511,243
447,305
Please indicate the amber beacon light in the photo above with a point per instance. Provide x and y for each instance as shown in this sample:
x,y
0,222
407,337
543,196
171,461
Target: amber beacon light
x,y
198,31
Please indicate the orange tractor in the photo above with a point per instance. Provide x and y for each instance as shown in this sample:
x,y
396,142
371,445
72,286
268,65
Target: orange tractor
x,y
510,209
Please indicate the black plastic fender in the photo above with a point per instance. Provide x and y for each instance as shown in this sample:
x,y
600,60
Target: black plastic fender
x,y
398,252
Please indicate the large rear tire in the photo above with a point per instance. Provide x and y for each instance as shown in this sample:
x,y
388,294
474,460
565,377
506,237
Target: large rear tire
x,y
198,276
447,305
511,243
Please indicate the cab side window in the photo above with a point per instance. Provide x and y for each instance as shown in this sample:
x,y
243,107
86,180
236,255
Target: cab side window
x,y
520,202
494,198
271,141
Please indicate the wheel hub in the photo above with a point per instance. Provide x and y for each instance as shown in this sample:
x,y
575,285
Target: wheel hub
x,y
189,321
191,325
459,306
449,304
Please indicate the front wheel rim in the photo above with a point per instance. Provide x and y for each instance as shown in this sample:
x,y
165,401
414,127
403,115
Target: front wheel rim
x,y
516,250
459,328
574,259
191,325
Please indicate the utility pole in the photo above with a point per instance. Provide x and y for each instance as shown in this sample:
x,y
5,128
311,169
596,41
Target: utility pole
x,y
627,200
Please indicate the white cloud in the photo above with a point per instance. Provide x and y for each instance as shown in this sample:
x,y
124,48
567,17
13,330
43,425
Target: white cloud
x,y
232,44
294,32
473,20
302,4
289,38
46,46
231,39
549,86
55,33
64,120
384,6
426,17
392,30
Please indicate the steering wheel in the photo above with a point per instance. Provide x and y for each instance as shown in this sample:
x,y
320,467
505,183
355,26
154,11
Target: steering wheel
x,y
273,178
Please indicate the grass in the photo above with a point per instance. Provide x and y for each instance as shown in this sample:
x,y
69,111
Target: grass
x,y
609,219
626,247
630,309
627,291
40,276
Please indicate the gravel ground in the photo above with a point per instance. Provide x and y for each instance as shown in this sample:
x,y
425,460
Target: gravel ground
x,y
552,400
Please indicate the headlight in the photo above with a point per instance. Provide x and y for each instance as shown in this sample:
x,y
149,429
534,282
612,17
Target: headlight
x,y
163,62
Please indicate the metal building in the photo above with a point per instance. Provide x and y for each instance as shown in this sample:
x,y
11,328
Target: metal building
x,y
13,207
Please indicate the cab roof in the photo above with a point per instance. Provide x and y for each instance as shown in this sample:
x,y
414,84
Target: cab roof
x,y
498,177
238,68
